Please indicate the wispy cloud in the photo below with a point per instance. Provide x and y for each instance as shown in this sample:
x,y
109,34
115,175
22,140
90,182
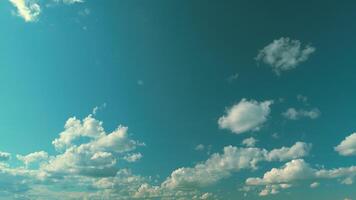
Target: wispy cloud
x,y
29,10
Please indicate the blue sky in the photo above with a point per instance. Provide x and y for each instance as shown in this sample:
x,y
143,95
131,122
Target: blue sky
x,y
177,100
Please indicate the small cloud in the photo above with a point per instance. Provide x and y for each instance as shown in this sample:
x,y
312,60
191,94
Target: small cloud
x,y
199,147
85,12
284,54
302,98
249,142
97,108
295,114
133,157
246,116
314,185
275,135
232,77
348,146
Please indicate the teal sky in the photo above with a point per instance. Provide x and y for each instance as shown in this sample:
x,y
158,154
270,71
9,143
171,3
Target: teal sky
x,y
222,99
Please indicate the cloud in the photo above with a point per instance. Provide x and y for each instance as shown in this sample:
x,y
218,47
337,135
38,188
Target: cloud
x,y
298,170
294,114
298,150
133,157
29,10
314,185
68,1
233,159
348,146
199,147
284,54
249,142
4,156
291,171
233,77
33,157
302,98
245,116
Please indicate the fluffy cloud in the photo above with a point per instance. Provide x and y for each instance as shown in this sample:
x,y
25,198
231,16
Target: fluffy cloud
x,y
233,159
298,150
295,114
33,157
245,116
29,10
348,146
291,171
284,54
4,156
297,170
96,157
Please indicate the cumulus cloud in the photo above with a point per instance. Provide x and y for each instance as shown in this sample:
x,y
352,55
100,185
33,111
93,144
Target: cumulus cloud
x,y
284,54
245,116
298,170
233,159
295,114
33,157
298,150
348,146
29,10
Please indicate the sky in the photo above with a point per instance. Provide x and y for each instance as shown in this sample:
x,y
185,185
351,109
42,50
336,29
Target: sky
x,y
177,100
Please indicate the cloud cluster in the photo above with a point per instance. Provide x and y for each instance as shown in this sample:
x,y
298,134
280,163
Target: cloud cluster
x,y
284,54
233,159
245,116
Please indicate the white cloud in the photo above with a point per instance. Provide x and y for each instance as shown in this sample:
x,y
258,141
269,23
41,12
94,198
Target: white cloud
x,y
284,54
348,146
314,185
33,157
291,171
245,116
249,142
199,147
295,114
29,10
298,170
4,156
233,159
298,150
133,157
